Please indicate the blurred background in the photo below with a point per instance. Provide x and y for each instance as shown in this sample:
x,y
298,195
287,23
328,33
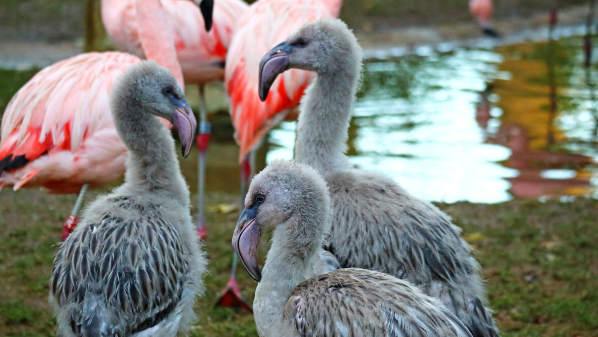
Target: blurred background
x,y
500,133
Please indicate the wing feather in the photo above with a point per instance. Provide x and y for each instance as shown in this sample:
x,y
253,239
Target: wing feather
x,y
142,283
357,302
61,105
407,238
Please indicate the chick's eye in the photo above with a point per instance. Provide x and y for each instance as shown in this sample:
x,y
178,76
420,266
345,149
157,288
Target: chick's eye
x,y
259,198
300,43
168,91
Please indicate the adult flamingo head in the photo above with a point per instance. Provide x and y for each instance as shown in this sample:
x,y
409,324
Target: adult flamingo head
x,y
317,46
170,103
207,9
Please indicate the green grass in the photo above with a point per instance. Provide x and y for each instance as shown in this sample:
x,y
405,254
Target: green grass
x,y
539,259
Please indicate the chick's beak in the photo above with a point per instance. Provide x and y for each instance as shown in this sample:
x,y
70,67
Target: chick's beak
x,y
275,62
246,239
184,121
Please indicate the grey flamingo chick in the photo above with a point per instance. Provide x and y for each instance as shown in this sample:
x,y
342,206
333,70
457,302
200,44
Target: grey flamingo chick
x,y
293,299
376,224
133,266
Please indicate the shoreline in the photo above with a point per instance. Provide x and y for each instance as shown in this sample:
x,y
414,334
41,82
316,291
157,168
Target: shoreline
x,y
380,44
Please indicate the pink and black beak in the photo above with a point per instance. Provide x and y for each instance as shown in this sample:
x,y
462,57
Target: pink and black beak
x,y
206,7
184,121
275,62
246,239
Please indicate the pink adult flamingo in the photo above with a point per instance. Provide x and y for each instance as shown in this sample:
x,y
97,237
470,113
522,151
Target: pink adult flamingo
x,y
482,11
201,53
265,24
57,131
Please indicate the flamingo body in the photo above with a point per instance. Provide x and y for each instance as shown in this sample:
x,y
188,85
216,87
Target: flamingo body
x,y
265,24
59,123
482,10
57,131
201,54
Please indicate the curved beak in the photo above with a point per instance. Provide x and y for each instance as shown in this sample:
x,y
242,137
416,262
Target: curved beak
x,y
207,9
275,62
184,121
246,238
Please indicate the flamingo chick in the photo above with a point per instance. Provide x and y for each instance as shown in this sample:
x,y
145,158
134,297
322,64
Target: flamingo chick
x,y
292,299
133,266
376,224
201,53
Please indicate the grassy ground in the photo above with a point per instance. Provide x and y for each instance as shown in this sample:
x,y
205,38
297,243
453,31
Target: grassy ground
x,y
540,261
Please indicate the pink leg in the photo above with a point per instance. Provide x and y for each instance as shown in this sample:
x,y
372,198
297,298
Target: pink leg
x,y
203,140
72,220
231,295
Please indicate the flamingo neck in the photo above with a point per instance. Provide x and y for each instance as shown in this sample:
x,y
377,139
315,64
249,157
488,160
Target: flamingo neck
x,y
152,165
289,263
323,124
157,36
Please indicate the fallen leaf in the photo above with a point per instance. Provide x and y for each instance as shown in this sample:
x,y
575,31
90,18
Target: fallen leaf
x,y
550,244
474,237
227,208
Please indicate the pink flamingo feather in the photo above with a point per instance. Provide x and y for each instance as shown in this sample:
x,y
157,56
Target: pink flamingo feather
x,y
57,131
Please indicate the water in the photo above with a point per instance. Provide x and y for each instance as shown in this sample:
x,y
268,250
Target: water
x,y
469,124
475,125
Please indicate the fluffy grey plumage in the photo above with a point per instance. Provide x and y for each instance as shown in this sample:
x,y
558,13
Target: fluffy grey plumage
x,y
376,224
291,300
133,265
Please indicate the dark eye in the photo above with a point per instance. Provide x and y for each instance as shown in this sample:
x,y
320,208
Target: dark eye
x,y
259,198
168,91
300,43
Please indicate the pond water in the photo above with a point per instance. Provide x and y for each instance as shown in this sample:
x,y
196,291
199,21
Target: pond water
x,y
476,125
472,124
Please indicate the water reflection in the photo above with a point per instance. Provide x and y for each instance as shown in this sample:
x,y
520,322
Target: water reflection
x,y
460,125
474,124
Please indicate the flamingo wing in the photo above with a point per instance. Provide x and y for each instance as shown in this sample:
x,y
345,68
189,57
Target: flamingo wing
x,y
264,25
57,111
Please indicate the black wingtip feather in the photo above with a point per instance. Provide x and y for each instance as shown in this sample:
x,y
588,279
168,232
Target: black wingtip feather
x,y
12,162
491,32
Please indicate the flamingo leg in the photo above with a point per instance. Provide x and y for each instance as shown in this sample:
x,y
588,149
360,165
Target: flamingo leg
x,y
231,295
72,220
203,140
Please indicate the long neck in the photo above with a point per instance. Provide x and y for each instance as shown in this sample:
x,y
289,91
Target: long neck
x,y
325,116
157,36
289,263
152,165
334,6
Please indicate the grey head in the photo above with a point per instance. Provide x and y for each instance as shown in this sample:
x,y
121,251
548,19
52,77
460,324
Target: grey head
x,y
317,46
206,7
285,194
155,90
